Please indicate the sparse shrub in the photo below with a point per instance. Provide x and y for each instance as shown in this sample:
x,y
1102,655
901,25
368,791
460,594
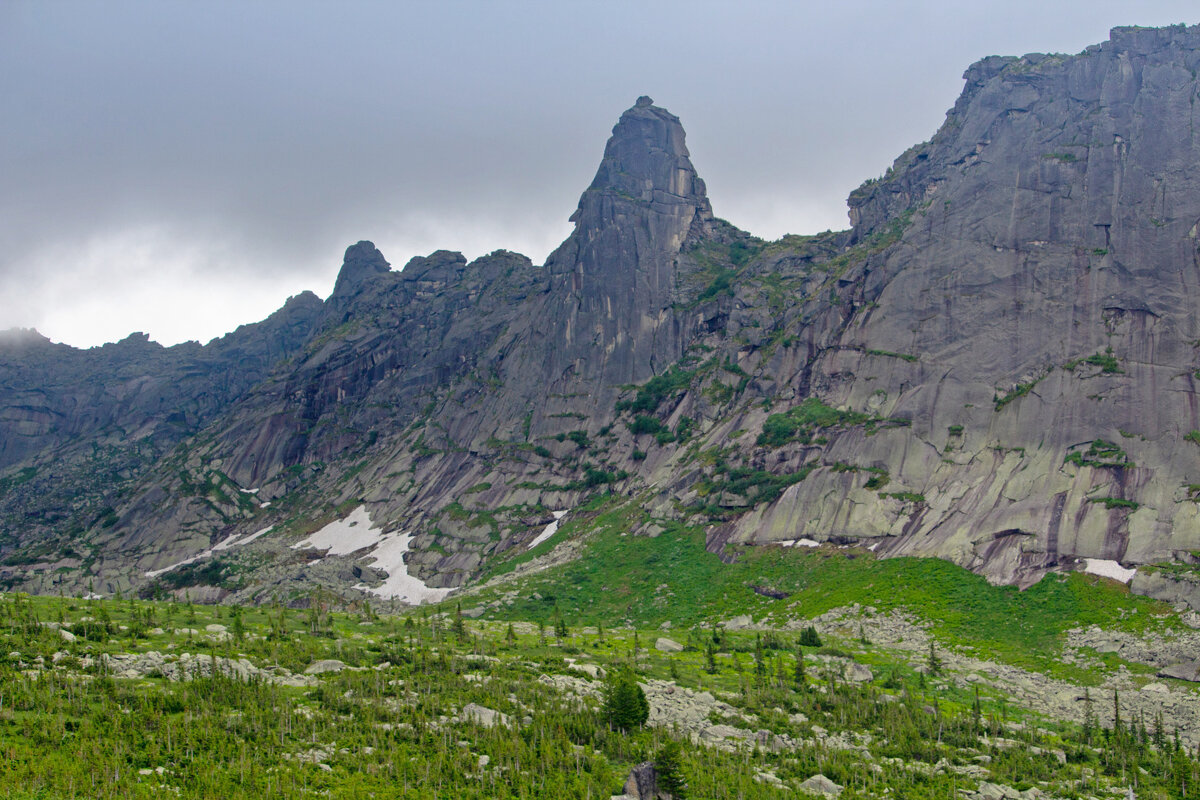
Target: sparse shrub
x,y
644,423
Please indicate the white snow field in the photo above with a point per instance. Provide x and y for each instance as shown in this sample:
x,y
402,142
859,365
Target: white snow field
x,y
343,536
1108,569
357,532
548,531
399,585
232,541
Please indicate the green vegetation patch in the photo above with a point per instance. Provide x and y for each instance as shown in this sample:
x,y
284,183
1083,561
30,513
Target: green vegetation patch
x,y
907,497
719,264
889,354
1115,502
395,723
15,479
1101,454
672,577
880,240
653,392
753,486
1017,392
800,423
1106,361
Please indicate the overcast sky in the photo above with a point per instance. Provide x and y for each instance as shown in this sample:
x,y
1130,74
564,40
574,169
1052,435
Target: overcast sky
x,y
181,168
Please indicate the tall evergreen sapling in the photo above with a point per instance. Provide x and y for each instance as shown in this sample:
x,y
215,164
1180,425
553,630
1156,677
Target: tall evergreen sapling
x,y
460,627
670,774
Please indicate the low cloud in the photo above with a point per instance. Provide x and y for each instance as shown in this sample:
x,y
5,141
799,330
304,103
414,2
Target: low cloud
x,y
183,168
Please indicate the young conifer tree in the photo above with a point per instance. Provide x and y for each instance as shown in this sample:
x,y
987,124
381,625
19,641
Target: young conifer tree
x,y
625,704
670,773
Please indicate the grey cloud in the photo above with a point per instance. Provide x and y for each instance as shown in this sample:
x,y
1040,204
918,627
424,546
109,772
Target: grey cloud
x,y
277,133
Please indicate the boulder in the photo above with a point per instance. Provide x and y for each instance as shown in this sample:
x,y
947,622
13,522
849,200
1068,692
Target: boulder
x,y
1184,671
487,717
591,670
323,666
858,673
642,783
819,784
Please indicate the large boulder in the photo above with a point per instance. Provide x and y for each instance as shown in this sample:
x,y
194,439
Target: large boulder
x,y
1184,671
819,784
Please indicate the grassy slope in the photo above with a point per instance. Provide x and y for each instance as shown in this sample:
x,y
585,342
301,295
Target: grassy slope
x,y
388,729
644,581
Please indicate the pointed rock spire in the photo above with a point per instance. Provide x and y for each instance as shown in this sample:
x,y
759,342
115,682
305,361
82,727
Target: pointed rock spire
x,y
614,279
646,164
361,262
645,202
646,160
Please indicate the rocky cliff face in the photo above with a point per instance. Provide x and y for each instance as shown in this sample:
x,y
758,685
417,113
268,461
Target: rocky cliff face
x,y
80,427
1045,288
996,364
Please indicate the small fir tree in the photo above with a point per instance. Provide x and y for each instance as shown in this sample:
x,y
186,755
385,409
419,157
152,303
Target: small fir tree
x,y
625,704
934,663
670,772
460,626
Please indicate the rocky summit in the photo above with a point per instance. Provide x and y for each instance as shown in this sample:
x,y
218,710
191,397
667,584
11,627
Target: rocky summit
x,y
997,365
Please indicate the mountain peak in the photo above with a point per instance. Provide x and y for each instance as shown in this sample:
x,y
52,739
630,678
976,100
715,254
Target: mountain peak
x,y
644,203
22,337
647,160
362,261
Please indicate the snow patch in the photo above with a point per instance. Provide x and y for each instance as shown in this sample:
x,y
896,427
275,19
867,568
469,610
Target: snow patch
x,y
344,536
232,541
248,491
154,573
1108,569
356,532
236,541
257,534
548,531
399,585
801,543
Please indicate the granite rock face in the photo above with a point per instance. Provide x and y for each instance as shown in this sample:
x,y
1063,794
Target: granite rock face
x,y
996,364
1044,290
